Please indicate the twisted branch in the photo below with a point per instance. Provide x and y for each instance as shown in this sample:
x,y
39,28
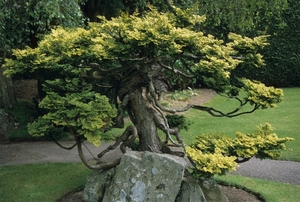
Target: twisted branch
x,y
175,70
128,136
161,121
218,113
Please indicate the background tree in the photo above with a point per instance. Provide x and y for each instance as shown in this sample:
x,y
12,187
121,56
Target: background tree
x,y
95,75
248,18
22,22
282,56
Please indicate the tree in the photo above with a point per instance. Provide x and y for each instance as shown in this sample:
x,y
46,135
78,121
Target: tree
x,y
94,76
7,98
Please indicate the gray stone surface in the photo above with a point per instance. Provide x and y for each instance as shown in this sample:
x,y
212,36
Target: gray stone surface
x,y
190,192
212,191
96,183
146,176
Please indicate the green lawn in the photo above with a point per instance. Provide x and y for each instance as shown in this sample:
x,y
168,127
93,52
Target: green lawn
x,y
285,118
48,182
40,182
268,190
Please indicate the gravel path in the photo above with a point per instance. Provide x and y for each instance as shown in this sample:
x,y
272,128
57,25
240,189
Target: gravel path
x,y
43,152
280,171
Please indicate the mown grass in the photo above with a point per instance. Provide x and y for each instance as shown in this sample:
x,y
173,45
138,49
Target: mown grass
x,y
40,182
284,118
268,190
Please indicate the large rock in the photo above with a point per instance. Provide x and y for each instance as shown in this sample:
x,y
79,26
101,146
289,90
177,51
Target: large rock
x,y
212,191
96,183
7,125
146,176
190,192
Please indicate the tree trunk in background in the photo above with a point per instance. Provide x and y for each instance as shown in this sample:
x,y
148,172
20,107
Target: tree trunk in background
x,y
7,97
90,9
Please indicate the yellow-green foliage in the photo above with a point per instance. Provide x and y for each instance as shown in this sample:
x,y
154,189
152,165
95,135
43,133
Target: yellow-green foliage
x,y
154,37
84,113
217,154
261,95
263,143
207,164
76,64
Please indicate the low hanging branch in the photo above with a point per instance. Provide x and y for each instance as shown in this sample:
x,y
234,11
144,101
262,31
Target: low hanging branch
x,y
63,147
128,137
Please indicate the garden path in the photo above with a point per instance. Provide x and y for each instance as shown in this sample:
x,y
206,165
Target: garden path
x,y
45,152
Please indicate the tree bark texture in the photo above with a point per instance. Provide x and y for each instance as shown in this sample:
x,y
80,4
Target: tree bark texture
x,y
7,97
143,116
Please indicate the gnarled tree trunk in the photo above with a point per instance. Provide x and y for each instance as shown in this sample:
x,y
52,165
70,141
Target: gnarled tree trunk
x,y
143,116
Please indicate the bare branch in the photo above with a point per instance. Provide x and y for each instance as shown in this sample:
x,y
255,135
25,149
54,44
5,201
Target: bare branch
x,y
237,57
94,167
218,113
104,85
63,147
176,71
165,109
128,136
193,57
242,160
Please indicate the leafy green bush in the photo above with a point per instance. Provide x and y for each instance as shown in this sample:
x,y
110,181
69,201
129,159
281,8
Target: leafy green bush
x,y
178,121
